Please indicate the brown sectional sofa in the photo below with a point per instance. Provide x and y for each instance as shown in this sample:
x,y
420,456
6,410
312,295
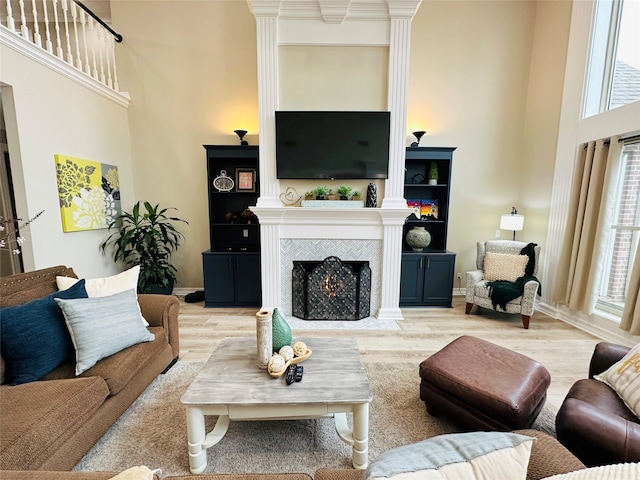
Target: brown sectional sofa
x,y
52,423
548,457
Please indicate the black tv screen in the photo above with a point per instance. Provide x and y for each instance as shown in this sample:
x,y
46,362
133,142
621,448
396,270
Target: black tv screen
x,y
314,144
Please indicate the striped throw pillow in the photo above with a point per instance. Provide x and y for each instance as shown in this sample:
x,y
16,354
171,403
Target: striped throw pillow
x,y
624,378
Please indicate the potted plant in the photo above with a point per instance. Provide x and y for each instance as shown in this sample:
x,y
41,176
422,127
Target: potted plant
x,y
146,237
433,174
355,195
321,193
310,195
344,191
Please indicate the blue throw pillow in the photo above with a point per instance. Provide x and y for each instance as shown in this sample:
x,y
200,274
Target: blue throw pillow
x,y
34,337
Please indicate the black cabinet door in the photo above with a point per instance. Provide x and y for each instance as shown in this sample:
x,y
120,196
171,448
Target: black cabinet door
x,y
247,280
438,279
218,279
411,279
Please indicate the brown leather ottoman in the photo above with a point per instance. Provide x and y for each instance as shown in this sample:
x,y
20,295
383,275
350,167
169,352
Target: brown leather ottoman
x,y
482,386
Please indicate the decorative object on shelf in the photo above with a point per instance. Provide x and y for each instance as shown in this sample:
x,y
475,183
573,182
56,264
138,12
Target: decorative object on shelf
x,y
429,209
344,191
247,217
245,180
231,217
418,178
223,183
512,221
263,337
10,238
418,238
355,195
280,330
418,136
291,198
433,174
415,205
372,196
241,134
299,349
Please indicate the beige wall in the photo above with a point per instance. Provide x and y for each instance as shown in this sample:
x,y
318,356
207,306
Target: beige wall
x,y
47,113
485,77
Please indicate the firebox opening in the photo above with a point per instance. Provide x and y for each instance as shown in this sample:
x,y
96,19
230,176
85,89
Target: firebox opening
x,y
331,289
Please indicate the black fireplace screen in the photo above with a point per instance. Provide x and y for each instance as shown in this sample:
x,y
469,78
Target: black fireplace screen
x,y
331,289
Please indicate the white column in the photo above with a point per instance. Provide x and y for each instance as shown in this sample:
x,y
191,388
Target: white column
x,y
401,14
266,13
270,220
392,222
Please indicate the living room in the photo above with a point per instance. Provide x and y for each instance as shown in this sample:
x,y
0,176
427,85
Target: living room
x,y
499,81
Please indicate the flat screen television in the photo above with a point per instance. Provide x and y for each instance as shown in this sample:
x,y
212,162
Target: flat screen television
x,y
327,145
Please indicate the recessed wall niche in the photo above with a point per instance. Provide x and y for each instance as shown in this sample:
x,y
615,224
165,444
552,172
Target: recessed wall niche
x,y
326,77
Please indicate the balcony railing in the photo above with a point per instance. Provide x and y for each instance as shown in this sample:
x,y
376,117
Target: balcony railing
x,y
65,30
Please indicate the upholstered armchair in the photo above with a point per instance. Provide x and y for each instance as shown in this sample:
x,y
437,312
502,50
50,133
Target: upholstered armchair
x,y
505,261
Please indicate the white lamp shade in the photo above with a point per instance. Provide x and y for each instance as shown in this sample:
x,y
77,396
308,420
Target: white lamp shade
x,y
512,222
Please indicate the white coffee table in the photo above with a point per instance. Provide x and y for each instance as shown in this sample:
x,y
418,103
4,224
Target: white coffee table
x,y
232,386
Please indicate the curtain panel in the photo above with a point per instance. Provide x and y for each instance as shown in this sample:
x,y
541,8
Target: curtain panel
x,y
590,214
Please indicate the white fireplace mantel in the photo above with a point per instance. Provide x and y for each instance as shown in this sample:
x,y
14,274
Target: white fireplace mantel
x,y
331,22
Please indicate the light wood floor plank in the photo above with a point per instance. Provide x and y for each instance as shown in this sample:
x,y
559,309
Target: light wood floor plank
x,y
564,350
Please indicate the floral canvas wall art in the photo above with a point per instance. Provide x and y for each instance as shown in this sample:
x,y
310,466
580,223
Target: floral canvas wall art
x,y
88,192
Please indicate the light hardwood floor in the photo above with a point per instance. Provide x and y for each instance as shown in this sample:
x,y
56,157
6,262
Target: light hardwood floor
x,y
564,350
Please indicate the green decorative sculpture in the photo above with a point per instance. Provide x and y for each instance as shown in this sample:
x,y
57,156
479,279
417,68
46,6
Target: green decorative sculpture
x,y
280,331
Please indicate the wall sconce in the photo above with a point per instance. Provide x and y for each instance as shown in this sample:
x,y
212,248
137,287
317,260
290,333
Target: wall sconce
x,y
418,136
512,221
241,134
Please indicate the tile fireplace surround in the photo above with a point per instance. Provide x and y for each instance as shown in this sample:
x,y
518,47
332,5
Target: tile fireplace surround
x,y
296,233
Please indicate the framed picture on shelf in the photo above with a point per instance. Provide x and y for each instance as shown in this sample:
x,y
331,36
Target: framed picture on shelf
x,y
245,180
415,206
429,209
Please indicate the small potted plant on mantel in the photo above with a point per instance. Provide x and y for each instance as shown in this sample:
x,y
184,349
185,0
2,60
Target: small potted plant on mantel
x,y
345,192
321,193
355,195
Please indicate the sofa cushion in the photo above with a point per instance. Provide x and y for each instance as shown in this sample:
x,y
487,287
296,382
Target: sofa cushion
x,y
472,456
37,417
624,377
103,287
34,338
100,327
504,266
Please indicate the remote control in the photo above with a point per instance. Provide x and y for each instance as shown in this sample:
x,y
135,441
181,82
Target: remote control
x,y
291,374
298,373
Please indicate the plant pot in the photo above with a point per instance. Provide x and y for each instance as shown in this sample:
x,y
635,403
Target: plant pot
x,y
161,289
433,181
344,197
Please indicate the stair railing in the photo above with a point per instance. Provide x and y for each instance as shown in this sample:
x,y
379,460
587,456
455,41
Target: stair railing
x,y
68,30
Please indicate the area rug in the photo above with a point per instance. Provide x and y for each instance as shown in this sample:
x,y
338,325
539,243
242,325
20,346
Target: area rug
x,y
153,432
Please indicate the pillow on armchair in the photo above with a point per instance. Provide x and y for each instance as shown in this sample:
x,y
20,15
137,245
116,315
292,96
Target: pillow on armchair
x,y
504,266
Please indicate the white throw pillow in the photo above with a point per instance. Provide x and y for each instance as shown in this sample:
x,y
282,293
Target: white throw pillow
x,y
503,266
103,287
618,471
456,456
137,473
624,377
100,327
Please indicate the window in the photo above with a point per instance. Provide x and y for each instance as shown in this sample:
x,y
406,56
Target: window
x,y
625,232
613,77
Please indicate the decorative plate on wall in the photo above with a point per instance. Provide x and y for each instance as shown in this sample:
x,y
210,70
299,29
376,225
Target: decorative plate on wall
x,y
222,182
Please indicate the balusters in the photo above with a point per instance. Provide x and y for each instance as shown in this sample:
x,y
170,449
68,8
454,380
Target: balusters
x,y
11,25
56,24
74,15
24,30
90,50
49,45
66,30
37,39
